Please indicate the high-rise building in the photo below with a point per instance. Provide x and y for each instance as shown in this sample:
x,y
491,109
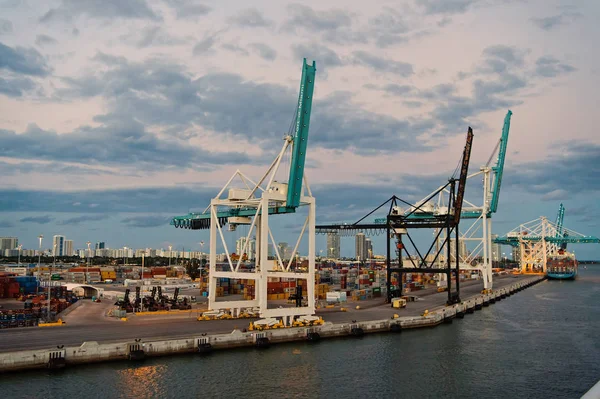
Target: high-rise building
x,y
284,250
496,250
68,247
369,248
239,246
462,248
361,246
333,245
58,243
100,245
251,249
8,243
270,251
516,254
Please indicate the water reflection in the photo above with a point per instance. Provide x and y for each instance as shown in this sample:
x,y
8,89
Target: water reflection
x,y
147,381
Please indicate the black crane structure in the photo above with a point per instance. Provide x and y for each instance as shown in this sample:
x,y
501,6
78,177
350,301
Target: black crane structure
x,y
398,224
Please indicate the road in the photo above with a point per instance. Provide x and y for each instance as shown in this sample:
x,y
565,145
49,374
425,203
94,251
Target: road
x,y
89,323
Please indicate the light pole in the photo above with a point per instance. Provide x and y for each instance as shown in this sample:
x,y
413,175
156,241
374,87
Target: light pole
x,y
201,253
358,259
124,256
87,269
37,287
50,280
142,273
19,256
170,247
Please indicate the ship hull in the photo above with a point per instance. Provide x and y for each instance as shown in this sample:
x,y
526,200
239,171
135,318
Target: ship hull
x,y
562,276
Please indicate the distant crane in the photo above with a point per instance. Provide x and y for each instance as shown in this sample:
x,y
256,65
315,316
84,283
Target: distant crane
x,y
252,205
539,239
559,225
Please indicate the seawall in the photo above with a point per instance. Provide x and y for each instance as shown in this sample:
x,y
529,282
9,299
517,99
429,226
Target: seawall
x,y
93,352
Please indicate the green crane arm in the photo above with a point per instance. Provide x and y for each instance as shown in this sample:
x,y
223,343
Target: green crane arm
x,y
499,168
300,140
559,220
197,221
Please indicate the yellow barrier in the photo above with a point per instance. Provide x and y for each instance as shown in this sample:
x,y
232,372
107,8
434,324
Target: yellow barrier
x,y
161,312
52,324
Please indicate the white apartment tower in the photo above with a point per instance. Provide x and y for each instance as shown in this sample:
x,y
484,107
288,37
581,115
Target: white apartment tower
x,y
68,248
58,243
496,250
8,243
333,245
361,246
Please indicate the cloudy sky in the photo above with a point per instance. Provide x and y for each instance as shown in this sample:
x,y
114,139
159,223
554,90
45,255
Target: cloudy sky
x,y
115,116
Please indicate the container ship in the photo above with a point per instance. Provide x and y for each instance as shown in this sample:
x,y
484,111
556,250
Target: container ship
x,y
562,266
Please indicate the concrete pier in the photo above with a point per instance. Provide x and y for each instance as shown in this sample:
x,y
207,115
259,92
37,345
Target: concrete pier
x,y
92,352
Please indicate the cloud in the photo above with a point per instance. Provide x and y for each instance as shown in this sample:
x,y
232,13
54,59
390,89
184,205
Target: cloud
x,y
500,77
177,199
564,18
445,6
382,64
151,36
250,18
136,146
572,169
389,27
306,17
393,89
5,26
44,40
550,67
23,61
235,48
412,104
146,221
558,194
342,125
80,219
264,51
183,8
228,104
509,55
205,45
16,87
325,56
60,168
37,219
5,224
106,9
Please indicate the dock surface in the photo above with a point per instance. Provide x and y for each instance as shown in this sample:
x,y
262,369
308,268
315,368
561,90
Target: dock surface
x,y
88,321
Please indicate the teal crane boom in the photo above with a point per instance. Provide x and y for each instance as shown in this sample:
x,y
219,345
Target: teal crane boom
x,y
559,220
299,142
498,169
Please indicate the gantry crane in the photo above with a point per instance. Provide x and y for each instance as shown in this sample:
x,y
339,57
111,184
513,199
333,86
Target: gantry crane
x,y
253,205
398,223
480,231
538,240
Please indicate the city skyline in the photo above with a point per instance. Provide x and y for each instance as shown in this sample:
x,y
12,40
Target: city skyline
x,y
117,118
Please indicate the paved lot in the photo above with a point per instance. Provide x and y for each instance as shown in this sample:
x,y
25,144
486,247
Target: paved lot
x,y
89,323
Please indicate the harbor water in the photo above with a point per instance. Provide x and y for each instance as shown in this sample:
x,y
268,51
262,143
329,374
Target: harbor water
x,y
543,342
